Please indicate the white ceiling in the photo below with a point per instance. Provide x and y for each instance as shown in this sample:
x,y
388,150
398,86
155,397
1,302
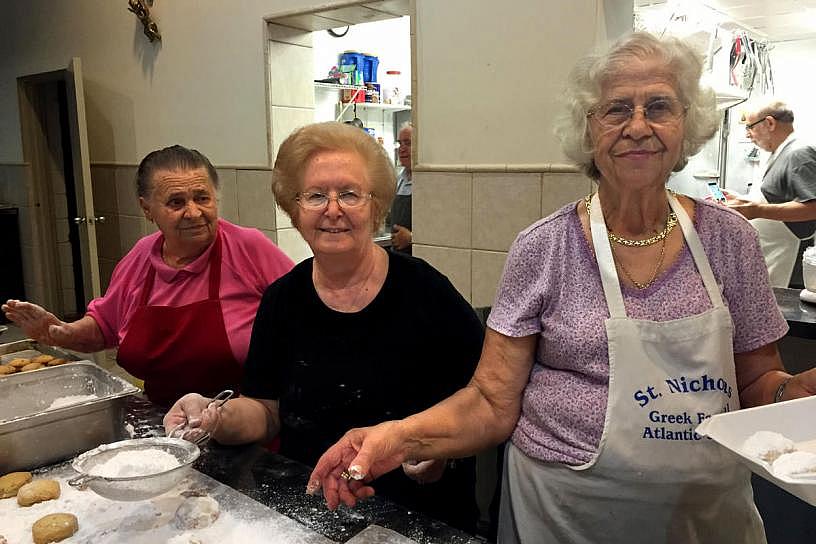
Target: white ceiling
x,y
774,20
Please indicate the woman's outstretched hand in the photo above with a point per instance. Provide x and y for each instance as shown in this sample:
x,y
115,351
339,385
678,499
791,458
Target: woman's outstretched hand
x,y
38,323
345,470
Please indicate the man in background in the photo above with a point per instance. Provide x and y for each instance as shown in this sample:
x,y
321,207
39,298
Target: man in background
x,y
400,216
783,206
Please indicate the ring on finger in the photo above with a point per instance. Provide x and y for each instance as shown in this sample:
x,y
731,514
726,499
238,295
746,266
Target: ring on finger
x,y
345,475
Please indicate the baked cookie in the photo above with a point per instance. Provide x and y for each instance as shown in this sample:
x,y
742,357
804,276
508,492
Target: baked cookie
x,y
32,366
19,362
7,369
767,445
38,491
11,482
54,527
56,362
42,359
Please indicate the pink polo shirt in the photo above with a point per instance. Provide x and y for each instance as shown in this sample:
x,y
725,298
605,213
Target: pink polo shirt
x,y
249,263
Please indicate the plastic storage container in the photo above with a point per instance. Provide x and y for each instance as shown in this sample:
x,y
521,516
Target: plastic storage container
x,y
370,65
390,89
809,269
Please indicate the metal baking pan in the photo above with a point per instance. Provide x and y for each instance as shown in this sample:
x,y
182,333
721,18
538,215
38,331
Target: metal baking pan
x,y
32,435
27,348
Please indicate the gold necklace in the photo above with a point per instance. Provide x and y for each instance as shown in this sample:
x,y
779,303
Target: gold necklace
x,y
642,285
671,222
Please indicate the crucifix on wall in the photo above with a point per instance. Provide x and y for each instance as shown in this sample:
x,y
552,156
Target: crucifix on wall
x,y
142,10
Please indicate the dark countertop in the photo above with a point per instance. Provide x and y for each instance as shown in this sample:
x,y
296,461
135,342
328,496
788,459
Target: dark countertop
x,y
280,484
801,316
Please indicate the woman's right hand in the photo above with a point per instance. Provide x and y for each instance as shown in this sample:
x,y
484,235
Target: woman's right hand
x,y
362,455
193,411
38,323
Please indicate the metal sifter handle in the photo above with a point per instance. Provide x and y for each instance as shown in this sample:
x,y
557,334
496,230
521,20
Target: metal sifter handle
x,y
81,482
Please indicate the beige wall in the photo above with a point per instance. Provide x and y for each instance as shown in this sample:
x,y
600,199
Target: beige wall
x,y
488,80
486,76
202,86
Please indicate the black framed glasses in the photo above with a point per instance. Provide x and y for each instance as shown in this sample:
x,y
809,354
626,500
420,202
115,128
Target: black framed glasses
x,y
317,201
658,111
750,126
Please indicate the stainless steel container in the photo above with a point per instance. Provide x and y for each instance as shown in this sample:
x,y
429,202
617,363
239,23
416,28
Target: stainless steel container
x,y
31,435
31,348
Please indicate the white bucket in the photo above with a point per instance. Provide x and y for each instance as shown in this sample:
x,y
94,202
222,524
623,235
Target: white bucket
x,y
809,269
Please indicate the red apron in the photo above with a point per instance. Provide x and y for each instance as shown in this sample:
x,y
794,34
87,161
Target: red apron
x,y
183,349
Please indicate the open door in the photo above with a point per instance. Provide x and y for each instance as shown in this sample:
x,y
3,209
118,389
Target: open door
x,y
86,219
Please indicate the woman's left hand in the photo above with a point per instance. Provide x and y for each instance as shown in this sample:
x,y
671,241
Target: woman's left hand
x,y
425,472
801,385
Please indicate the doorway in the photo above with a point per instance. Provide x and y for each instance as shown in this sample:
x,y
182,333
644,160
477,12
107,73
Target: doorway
x,y
52,123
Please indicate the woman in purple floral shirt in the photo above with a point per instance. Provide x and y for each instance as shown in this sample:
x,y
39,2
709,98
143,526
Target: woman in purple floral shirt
x,y
622,321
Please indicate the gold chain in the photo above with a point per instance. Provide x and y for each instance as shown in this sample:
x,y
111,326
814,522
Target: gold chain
x,y
671,222
638,284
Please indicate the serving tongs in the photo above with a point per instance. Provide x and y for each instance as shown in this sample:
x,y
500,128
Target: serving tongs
x,y
189,429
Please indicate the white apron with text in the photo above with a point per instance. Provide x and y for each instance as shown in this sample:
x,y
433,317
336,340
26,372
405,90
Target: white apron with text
x,y
653,479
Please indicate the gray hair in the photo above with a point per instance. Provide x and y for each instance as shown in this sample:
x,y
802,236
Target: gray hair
x,y
175,157
772,107
587,78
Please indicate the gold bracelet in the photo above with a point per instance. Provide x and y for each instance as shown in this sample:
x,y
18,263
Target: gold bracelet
x,y
781,389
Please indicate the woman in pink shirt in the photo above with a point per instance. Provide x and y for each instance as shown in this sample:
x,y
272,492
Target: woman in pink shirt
x,y
180,304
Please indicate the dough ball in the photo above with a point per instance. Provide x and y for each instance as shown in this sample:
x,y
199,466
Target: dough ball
x,y
56,362
32,366
19,363
42,359
5,370
795,463
197,513
11,482
767,445
38,491
54,527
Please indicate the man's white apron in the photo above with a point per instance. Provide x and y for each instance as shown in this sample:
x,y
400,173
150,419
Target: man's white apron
x,y
780,246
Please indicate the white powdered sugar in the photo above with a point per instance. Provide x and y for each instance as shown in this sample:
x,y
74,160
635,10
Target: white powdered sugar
x,y
136,463
62,402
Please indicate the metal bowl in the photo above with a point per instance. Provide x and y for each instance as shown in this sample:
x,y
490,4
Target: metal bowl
x,y
134,488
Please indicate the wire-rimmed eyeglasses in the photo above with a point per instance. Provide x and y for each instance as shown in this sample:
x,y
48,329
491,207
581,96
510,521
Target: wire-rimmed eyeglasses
x,y
317,201
658,111
750,126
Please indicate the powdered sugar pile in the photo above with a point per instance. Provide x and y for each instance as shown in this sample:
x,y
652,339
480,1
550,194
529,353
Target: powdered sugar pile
x,y
62,402
136,463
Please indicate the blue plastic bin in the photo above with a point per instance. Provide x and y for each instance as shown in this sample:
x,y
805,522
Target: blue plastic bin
x,y
353,58
370,65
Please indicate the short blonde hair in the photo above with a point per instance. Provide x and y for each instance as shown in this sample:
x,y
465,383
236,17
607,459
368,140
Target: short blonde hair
x,y
297,150
587,79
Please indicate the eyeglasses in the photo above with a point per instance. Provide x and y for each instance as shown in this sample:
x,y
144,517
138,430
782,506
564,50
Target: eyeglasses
x,y
750,126
660,111
314,201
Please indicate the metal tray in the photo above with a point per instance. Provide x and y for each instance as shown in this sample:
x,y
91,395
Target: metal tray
x,y
31,348
31,436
